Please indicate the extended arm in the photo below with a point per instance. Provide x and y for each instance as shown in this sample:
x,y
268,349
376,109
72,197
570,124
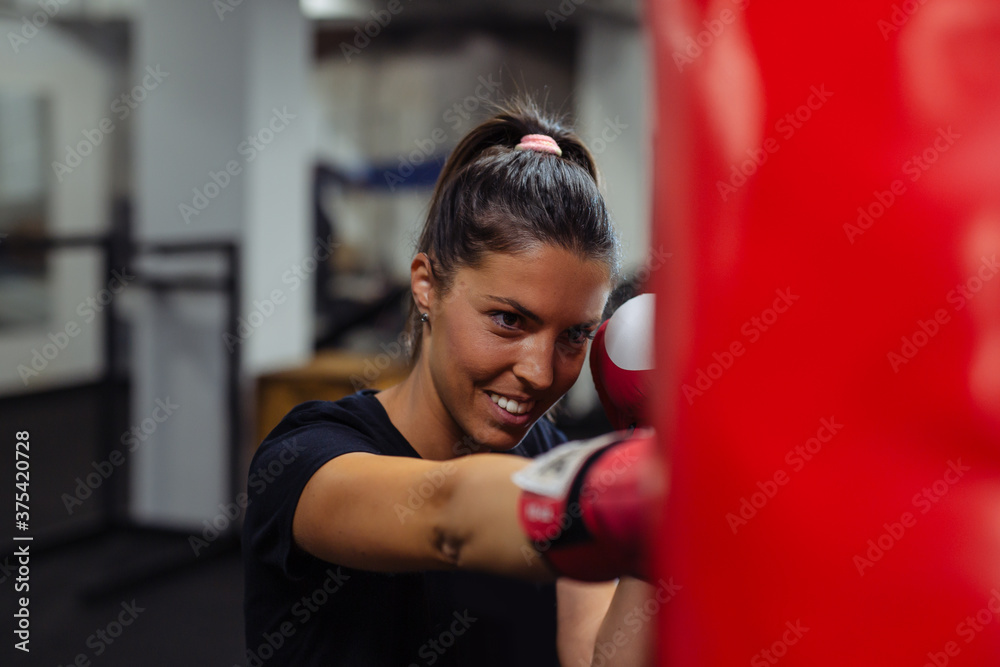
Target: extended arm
x,y
581,505
358,510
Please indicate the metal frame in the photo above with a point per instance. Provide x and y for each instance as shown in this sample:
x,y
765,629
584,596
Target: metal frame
x,y
118,249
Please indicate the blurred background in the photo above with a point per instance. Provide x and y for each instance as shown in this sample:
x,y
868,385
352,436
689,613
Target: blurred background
x,y
207,214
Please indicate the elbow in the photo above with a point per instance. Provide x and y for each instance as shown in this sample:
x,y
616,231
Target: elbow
x,y
475,525
448,532
448,548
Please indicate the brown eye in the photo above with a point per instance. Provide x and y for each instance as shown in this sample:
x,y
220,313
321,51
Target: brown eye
x,y
506,319
580,336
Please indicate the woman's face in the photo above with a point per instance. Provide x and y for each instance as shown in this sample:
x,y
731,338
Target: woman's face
x,y
512,332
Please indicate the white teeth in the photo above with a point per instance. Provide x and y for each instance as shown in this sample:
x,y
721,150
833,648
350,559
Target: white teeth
x,y
509,404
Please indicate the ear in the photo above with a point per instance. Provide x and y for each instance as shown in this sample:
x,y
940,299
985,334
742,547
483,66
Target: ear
x,y
422,283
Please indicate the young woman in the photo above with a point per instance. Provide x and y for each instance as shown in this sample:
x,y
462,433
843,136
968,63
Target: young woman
x,y
370,516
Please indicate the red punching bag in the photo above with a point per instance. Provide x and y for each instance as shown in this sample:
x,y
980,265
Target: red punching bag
x,y
828,181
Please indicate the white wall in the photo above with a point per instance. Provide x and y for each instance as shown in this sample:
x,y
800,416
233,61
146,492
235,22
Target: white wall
x,y
279,219
614,85
614,121
226,74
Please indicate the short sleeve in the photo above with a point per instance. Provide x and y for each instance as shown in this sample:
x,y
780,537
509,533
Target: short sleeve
x,y
542,437
278,473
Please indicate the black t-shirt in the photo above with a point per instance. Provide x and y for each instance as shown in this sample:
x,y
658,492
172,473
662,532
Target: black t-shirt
x,y
300,610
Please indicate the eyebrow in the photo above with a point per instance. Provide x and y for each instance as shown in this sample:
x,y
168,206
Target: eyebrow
x,y
530,315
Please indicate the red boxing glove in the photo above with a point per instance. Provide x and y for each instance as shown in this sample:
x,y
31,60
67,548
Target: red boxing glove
x,y
621,362
586,506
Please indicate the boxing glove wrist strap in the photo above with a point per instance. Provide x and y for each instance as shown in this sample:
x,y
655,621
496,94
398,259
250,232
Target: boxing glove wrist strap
x,y
581,511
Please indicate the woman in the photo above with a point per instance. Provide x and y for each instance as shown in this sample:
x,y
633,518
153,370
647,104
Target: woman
x,y
360,543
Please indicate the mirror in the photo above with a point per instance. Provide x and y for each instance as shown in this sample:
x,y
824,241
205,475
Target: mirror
x,y
24,189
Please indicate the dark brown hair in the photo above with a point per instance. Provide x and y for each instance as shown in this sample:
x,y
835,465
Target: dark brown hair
x,y
493,198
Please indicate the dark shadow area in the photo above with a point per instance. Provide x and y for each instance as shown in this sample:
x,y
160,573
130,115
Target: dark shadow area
x,y
192,616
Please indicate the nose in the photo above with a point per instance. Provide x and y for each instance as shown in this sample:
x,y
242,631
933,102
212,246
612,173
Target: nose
x,y
535,363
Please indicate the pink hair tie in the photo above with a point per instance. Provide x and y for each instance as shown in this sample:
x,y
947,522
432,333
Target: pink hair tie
x,y
542,143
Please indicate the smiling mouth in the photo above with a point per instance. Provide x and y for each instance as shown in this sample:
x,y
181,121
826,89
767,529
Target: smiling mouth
x,y
510,405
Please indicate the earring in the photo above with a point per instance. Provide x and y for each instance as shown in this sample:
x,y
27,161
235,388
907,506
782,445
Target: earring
x,y
424,317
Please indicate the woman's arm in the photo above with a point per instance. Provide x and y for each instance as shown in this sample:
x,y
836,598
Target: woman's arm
x,y
365,511
581,607
625,638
